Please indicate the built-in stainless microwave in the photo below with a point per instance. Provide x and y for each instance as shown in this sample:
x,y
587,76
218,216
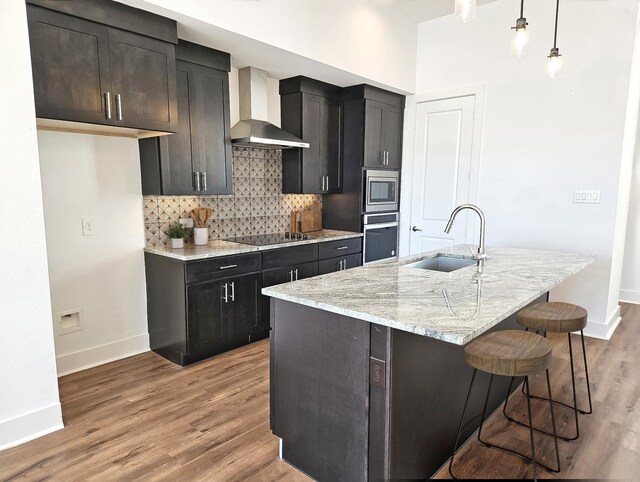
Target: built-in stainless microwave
x,y
381,191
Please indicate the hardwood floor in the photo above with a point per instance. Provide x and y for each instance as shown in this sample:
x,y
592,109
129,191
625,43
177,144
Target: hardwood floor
x,y
145,418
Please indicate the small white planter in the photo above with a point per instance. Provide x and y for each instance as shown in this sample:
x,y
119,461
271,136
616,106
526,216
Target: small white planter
x,y
201,236
177,243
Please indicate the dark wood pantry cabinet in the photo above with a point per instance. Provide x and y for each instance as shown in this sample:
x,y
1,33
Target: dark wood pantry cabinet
x,y
103,63
197,158
312,110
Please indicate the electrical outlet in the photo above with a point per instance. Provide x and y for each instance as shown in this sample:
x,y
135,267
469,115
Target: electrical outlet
x,y
586,197
377,372
187,222
88,227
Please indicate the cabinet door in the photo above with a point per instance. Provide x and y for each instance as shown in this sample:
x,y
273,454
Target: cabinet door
x,y
372,135
331,143
306,270
176,152
210,131
312,166
70,61
206,332
143,81
242,310
392,136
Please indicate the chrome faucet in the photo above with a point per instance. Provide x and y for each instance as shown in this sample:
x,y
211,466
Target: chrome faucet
x,y
481,256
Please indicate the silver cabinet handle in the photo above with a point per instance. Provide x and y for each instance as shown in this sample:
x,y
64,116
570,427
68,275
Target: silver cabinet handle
x,y
225,297
119,107
383,157
290,275
196,175
229,266
107,104
327,188
342,247
296,274
233,291
203,175
387,158
340,265
415,228
344,263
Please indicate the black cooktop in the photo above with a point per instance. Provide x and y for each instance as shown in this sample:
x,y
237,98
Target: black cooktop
x,y
266,239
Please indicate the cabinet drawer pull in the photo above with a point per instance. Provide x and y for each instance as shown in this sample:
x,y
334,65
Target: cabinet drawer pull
x,y
342,247
107,104
229,266
225,297
233,291
119,107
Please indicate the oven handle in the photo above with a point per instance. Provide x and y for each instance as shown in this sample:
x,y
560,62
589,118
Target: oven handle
x,y
381,225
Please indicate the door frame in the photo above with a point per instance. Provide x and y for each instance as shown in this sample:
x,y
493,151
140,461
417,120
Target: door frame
x,y
408,156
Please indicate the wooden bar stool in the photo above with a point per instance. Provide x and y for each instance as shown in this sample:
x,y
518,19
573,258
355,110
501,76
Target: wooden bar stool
x,y
511,353
558,317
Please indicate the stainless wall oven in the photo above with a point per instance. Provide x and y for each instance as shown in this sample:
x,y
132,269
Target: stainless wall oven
x,y
381,191
380,237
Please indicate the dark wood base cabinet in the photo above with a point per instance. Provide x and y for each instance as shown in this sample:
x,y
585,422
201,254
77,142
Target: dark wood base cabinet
x,y
198,309
336,425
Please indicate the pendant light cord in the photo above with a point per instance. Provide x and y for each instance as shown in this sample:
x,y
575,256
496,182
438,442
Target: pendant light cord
x,y
555,32
521,8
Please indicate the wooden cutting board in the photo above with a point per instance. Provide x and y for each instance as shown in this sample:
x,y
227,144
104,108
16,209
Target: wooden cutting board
x,y
311,219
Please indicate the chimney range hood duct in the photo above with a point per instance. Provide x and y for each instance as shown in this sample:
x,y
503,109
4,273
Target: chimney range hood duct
x,y
254,130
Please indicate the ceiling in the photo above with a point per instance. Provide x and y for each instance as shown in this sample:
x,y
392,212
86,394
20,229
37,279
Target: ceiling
x,y
423,10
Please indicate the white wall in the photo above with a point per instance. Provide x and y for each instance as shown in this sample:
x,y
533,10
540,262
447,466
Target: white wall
x,y
543,139
630,286
96,177
360,40
29,403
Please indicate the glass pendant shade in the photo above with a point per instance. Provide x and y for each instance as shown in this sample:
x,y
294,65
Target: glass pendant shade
x,y
465,10
520,37
554,64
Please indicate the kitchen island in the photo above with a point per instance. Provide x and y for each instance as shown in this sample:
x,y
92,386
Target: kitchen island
x,y
367,372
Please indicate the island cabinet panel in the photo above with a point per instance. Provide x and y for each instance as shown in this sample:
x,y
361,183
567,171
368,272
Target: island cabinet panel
x,y
319,391
197,309
91,72
197,159
312,110
353,400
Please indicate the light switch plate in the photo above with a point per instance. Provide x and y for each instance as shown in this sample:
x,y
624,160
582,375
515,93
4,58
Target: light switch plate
x,y
88,227
586,197
187,222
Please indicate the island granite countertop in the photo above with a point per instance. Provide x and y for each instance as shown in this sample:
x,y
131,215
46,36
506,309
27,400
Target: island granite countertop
x,y
221,247
455,307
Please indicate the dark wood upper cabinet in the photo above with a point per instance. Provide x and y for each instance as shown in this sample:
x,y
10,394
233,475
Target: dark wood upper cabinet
x,y
197,158
91,72
70,58
312,110
383,135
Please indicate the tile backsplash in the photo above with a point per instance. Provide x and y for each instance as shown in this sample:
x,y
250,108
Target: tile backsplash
x,y
257,205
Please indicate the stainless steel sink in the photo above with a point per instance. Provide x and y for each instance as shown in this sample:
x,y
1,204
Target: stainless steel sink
x,y
443,263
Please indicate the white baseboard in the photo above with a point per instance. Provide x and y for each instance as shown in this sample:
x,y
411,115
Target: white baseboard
x,y
29,426
603,331
630,296
101,354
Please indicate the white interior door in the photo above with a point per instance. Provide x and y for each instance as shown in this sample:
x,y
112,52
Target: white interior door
x,y
445,173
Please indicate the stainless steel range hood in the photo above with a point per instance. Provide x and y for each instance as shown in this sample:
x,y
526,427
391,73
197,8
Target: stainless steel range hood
x,y
254,130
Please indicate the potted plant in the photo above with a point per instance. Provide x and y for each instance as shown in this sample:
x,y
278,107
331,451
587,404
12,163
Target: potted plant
x,y
177,233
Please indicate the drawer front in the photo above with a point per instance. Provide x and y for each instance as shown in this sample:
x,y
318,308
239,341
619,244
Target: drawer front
x,y
338,264
277,258
207,269
333,249
288,273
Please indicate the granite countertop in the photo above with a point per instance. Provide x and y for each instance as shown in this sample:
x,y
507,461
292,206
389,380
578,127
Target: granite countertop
x,y
455,307
221,247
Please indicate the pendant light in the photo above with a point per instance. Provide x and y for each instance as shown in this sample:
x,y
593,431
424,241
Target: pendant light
x,y
465,10
520,35
555,63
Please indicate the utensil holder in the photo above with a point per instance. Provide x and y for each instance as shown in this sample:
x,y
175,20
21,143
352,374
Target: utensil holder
x,y
201,236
